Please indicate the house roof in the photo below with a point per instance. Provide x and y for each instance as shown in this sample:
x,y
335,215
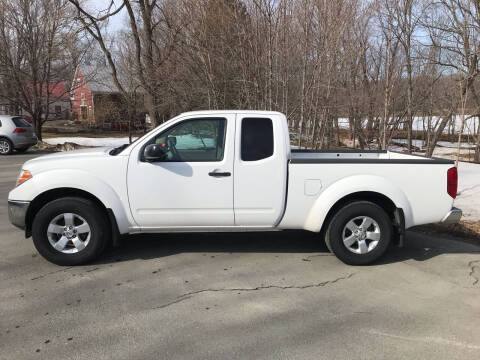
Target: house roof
x,y
55,89
99,78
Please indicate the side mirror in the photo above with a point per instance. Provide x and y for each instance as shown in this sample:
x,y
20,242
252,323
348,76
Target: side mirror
x,y
154,152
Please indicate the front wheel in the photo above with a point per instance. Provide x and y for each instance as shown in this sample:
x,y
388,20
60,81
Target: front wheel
x,y
359,233
70,231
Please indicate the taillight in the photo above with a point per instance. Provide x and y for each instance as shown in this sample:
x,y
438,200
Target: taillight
x,y
19,130
452,182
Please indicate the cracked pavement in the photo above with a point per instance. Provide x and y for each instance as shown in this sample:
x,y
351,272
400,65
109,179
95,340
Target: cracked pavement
x,y
237,296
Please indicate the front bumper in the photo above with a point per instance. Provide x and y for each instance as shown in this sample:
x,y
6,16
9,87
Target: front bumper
x,y
17,211
453,216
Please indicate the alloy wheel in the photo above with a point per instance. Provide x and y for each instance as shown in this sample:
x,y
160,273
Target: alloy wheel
x,y
69,233
361,234
4,147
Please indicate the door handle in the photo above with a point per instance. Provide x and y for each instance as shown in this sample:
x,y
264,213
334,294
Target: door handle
x,y
216,173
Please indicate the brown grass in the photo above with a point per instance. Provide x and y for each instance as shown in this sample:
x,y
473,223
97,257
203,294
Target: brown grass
x,y
465,230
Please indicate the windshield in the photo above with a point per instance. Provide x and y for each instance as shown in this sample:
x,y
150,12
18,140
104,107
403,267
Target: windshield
x,y
120,148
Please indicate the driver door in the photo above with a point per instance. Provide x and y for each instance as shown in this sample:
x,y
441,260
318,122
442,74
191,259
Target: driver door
x,y
193,185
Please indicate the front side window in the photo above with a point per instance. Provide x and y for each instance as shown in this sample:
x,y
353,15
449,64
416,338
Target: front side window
x,y
257,139
194,140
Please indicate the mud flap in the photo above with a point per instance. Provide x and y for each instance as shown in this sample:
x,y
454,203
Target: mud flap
x,y
399,227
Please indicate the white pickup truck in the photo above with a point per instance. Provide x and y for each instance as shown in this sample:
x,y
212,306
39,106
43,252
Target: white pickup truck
x,y
228,171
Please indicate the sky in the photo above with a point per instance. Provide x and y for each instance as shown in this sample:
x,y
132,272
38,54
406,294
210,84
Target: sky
x,y
116,22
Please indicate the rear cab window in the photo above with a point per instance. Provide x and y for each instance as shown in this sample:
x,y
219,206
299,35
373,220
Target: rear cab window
x,y
256,139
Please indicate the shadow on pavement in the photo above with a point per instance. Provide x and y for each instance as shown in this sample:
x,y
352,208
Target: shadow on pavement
x,y
418,246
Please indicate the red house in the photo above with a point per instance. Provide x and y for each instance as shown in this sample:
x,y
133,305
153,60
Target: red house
x,y
58,101
94,96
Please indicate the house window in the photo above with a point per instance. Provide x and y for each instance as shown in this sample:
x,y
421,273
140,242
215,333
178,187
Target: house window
x,y
83,109
58,110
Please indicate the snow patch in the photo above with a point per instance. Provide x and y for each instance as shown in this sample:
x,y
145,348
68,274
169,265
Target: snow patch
x,y
468,197
86,141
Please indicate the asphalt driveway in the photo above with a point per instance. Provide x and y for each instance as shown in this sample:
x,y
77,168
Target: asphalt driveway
x,y
236,296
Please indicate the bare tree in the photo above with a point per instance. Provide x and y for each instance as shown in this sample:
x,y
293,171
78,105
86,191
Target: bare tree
x,y
154,33
35,38
456,22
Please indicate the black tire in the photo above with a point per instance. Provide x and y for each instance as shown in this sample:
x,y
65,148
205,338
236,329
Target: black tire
x,y
5,144
336,227
95,217
22,150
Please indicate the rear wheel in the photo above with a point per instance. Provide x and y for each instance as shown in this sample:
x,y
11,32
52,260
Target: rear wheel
x,y
359,233
6,146
70,231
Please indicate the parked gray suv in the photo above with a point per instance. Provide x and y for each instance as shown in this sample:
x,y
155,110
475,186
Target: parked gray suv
x,y
15,134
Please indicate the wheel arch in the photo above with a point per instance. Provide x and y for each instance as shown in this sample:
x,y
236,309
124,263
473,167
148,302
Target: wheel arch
x,y
8,139
396,214
376,189
47,196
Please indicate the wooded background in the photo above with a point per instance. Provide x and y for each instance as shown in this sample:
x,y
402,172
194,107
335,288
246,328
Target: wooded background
x,y
377,65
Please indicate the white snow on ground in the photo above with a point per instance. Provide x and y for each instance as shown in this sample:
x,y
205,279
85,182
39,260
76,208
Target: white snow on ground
x,y
86,141
186,141
468,197
448,144
443,149
420,123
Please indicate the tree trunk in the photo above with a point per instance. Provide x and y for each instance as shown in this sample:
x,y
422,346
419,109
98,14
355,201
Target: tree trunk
x,y
436,135
476,157
37,125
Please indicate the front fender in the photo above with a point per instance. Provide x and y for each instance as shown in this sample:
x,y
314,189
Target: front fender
x,y
76,179
353,184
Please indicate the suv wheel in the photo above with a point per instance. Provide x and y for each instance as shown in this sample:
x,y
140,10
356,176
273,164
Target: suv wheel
x,y
6,146
359,233
70,231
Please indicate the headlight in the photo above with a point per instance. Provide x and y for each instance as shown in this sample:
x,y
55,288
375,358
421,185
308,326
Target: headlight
x,y
24,176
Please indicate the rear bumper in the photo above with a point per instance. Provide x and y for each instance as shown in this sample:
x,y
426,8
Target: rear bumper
x,y
21,141
453,216
17,211
24,143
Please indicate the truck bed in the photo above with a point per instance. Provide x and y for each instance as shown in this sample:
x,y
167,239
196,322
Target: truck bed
x,y
306,156
317,179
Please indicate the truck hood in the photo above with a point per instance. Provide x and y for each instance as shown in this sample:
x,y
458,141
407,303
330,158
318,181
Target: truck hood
x,y
66,155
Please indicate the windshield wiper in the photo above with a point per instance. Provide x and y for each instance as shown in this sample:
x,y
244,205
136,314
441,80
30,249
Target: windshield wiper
x,y
119,149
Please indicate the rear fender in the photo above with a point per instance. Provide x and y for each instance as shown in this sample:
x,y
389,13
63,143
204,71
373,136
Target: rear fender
x,y
354,184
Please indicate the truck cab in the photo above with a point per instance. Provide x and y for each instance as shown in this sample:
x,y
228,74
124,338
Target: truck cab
x,y
213,170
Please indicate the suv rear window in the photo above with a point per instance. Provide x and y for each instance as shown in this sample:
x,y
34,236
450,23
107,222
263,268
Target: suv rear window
x,y
20,122
257,139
